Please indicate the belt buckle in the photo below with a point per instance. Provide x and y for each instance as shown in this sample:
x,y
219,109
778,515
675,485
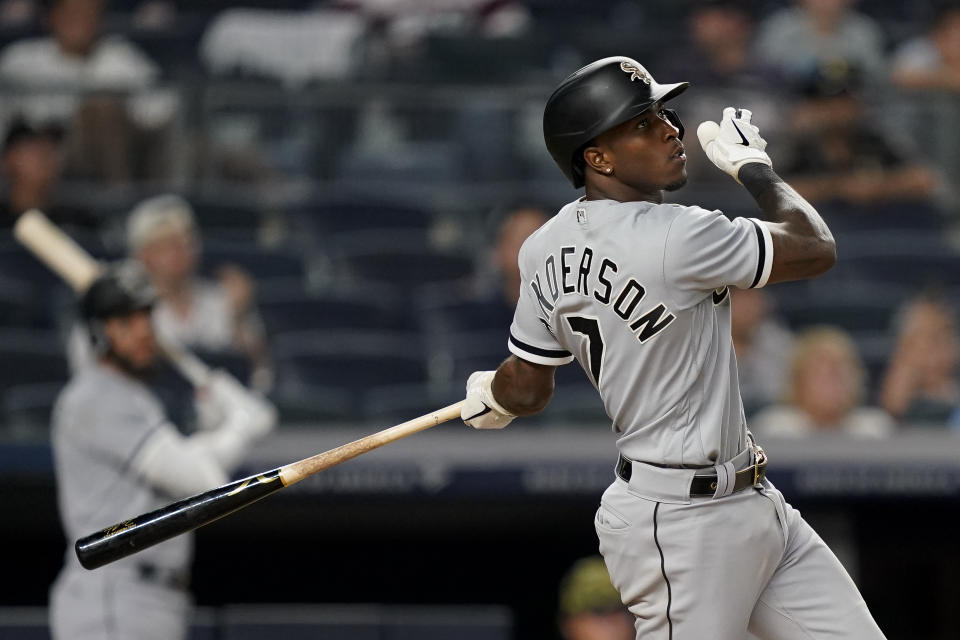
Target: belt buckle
x,y
759,456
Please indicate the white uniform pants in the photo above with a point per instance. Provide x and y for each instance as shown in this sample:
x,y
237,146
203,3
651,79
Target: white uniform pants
x,y
109,604
713,568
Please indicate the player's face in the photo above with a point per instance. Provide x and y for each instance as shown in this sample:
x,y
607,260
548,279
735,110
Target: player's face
x,y
132,339
646,153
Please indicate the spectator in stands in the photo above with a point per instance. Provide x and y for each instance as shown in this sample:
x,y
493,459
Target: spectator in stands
x,y
931,61
209,315
31,165
839,155
826,392
720,43
518,224
718,59
104,132
590,607
920,384
762,344
802,38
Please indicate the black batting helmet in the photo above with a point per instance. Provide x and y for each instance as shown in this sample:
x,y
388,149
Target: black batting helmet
x,y
123,288
595,99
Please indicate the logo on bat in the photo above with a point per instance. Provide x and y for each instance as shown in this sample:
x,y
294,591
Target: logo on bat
x,y
117,528
636,72
261,479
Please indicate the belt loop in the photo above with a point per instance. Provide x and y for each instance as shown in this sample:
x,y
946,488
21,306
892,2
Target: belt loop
x,y
726,478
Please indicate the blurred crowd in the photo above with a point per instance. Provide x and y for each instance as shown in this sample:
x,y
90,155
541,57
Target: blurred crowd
x,y
330,196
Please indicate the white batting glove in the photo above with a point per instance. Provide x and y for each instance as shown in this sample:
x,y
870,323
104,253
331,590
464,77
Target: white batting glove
x,y
244,410
480,410
734,142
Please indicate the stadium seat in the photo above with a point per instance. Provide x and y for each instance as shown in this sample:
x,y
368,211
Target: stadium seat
x,y
285,310
394,259
31,356
257,261
349,360
27,408
359,212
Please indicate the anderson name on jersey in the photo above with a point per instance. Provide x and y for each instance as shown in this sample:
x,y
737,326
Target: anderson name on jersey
x,y
622,287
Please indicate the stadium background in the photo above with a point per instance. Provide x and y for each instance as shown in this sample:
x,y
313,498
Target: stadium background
x,y
362,193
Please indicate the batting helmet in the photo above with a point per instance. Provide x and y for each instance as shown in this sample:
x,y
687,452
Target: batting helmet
x,y
595,99
123,288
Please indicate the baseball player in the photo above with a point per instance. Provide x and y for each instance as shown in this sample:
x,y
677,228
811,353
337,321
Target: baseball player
x,y
116,455
696,540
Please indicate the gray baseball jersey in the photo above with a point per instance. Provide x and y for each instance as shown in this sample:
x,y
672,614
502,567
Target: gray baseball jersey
x,y
100,422
637,293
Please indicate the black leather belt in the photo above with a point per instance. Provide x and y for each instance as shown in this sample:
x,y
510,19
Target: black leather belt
x,y
169,578
706,485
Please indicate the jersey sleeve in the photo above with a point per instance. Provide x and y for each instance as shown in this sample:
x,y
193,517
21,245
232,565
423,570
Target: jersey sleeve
x,y
531,337
704,251
114,429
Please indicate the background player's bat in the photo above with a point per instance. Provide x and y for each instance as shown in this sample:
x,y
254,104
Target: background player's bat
x,y
130,536
71,262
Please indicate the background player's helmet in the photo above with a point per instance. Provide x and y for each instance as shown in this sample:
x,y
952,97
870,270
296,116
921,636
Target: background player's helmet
x,y
595,99
120,290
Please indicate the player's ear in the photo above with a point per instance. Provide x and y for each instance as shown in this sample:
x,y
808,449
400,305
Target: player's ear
x,y
596,159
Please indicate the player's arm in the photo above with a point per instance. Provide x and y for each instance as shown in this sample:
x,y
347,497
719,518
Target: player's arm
x,y
516,388
523,388
186,465
803,246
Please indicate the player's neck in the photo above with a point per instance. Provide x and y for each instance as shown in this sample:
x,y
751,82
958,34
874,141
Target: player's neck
x,y
622,193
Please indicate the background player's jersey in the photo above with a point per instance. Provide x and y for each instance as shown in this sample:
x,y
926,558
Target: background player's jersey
x,y
100,422
637,292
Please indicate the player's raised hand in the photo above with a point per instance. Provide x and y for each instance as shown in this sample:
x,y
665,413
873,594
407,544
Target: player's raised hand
x,y
734,142
480,410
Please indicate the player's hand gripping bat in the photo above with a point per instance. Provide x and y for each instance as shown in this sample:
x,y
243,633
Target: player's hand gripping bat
x,y
130,536
67,259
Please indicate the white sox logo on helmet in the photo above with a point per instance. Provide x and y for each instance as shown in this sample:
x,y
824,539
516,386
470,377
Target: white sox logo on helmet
x,y
636,72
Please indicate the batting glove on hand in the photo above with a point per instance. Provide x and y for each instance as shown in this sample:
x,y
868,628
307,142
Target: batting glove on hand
x,y
244,409
480,410
734,142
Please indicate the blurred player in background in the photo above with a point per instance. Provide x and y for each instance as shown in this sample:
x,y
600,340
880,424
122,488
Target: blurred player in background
x,y
117,455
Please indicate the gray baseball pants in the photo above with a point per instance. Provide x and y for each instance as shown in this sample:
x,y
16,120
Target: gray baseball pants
x,y
113,604
715,567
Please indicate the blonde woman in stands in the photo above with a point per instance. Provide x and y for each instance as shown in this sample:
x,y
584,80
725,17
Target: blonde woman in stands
x,y
826,392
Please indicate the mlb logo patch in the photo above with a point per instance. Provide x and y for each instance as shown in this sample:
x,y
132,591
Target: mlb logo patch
x,y
582,216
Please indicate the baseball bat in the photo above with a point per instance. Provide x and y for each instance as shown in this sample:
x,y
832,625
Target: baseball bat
x,y
71,262
130,536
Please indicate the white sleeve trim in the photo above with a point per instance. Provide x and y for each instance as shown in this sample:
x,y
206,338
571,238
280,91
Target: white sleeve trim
x,y
765,259
539,355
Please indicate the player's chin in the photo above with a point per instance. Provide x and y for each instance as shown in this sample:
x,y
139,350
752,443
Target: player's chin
x,y
679,182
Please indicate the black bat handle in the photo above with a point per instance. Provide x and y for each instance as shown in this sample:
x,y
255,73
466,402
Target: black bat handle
x,y
130,536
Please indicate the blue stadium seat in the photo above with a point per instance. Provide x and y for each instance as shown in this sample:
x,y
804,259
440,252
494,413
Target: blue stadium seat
x,y
27,408
301,404
443,310
398,403
394,259
291,309
357,212
350,360
257,261
29,356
